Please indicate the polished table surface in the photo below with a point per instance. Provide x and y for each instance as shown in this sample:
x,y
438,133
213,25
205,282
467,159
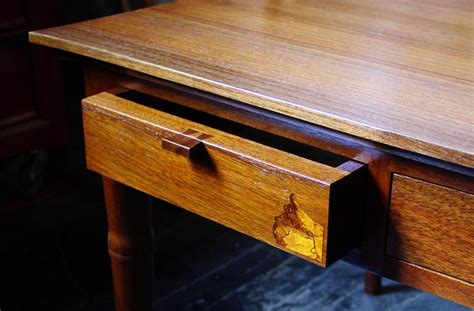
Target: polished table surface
x,y
401,74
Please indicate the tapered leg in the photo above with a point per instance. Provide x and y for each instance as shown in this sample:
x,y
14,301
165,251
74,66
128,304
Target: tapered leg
x,y
373,283
130,243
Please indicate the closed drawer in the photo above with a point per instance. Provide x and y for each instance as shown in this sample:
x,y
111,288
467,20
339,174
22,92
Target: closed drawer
x,y
304,207
432,226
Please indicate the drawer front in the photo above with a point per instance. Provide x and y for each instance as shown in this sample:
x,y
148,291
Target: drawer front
x,y
432,226
304,207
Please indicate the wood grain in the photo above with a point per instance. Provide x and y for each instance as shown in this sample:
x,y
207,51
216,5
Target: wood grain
x,y
381,163
399,74
238,183
428,280
188,145
432,226
131,245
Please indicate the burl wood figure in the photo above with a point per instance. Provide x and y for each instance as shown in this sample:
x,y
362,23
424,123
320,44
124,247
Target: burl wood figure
x,y
295,230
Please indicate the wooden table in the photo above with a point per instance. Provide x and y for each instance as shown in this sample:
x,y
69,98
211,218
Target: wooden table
x,y
329,129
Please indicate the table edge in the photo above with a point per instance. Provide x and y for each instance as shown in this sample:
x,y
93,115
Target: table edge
x,y
460,157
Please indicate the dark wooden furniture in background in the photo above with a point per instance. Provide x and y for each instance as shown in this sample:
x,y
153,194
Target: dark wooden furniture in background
x,y
32,113
32,108
393,93
32,105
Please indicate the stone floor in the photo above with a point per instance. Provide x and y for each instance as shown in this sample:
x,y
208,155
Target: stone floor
x,y
53,257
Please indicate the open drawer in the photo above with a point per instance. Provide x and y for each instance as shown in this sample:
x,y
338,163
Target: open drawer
x,y
292,202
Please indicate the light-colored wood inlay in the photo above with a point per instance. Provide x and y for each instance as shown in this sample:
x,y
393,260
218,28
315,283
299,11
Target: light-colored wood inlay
x,y
295,230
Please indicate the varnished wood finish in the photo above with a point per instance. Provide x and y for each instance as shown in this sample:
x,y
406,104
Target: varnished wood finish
x,y
432,226
290,202
434,282
411,274
104,79
130,241
32,107
382,161
188,145
399,74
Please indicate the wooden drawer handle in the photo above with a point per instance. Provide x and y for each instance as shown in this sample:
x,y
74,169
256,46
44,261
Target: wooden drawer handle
x,y
188,144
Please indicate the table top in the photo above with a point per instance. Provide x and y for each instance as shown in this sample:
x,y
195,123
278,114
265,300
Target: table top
x,y
397,73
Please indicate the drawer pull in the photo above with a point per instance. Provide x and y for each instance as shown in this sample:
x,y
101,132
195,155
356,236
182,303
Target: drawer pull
x,y
188,144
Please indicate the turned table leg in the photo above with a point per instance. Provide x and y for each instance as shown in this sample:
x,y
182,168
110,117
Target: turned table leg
x,y
130,243
372,284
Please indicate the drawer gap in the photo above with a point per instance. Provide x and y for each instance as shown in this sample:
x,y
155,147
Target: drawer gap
x,y
238,129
